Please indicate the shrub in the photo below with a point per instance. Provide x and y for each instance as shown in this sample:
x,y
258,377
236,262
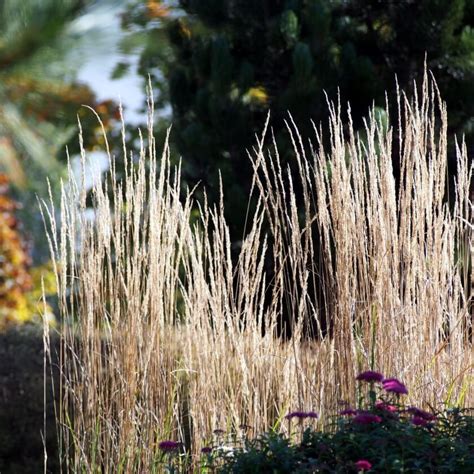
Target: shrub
x,y
383,437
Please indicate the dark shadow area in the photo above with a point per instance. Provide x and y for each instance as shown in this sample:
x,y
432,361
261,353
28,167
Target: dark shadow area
x,y
21,402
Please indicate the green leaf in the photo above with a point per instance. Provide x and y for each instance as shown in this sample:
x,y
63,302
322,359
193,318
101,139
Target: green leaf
x,y
289,27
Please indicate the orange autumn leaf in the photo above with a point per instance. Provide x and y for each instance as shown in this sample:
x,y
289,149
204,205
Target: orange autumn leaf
x,y
157,9
15,277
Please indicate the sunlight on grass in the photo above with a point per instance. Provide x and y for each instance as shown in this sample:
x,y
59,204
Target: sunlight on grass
x,y
166,336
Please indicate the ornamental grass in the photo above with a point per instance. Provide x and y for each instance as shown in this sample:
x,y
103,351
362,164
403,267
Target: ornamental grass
x,y
169,332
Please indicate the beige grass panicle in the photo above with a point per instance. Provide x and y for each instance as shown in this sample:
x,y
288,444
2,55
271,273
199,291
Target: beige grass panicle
x,y
162,329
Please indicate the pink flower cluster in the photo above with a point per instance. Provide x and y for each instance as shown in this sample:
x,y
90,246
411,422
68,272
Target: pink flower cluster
x,y
394,386
386,407
390,385
363,465
420,417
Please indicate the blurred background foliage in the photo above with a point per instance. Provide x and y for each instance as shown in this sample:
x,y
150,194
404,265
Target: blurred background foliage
x,y
15,280
40,102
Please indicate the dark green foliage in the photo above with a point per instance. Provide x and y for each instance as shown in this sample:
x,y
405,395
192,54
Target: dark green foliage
x,y
394,445
269,453
21,403
391,446
380,436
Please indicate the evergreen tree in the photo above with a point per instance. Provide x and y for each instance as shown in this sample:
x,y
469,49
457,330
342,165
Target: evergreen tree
x,y
233,60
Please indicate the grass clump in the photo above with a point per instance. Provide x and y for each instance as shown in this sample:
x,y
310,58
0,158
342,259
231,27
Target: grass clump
x,y
169,333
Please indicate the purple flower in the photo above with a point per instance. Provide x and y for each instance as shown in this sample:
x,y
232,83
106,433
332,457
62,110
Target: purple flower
x,y
366,419
418,421
296,414
417,412
386,407
169,446
369,376
301,415
394,386
206,450
348,412
363,465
